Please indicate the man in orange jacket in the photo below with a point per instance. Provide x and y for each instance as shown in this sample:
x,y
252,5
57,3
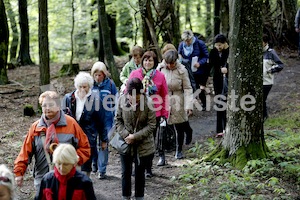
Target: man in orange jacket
x,y
52,128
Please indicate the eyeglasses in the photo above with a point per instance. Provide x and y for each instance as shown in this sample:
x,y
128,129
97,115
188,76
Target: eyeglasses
x,y
5,179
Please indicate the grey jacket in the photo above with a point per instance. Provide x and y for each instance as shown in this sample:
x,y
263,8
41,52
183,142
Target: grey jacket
x,y
126,118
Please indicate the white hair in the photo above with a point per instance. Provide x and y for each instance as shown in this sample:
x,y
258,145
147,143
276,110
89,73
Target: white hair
x,y
65,153
100,67
82,78
5,173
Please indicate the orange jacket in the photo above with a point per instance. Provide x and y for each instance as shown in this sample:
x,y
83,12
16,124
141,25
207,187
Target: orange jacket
x,y
67,131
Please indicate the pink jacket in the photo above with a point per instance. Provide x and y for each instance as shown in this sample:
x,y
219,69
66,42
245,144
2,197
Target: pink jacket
x,y
162,90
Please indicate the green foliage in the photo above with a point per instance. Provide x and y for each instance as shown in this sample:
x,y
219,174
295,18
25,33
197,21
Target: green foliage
x,y
275,177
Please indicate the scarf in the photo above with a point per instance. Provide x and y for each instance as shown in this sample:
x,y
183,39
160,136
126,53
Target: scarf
x,y
188,50
149,86
63,180
80,102
265,48
51,136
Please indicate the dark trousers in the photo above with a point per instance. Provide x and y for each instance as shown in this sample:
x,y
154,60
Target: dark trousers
x,y
179,135
201,79
221,121
140,164
266,90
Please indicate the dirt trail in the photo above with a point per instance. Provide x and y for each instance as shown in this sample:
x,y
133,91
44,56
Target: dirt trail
x,y
13,128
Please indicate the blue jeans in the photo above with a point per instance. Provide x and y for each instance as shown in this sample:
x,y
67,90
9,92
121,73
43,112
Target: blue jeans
x,y
102,160
140,164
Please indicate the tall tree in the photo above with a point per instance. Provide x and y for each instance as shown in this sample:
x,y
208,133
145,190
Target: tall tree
x,y
43,43
208,30
217,20
108,53
224,17
244,137
24,55
3,44
15,33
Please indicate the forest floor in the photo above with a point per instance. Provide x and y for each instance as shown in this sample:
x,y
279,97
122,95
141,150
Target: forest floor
x,y
24,89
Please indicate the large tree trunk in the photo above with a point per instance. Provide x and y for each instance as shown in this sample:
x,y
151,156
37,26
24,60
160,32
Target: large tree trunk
x,y
208,19
3,44
217,20
15,33
43,43
108,55
244,137
24,55
112,25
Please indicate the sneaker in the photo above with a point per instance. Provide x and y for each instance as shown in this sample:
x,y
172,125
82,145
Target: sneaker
x,y
178,155
101,176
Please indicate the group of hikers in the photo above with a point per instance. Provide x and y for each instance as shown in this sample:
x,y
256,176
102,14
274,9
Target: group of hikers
x,y
70,140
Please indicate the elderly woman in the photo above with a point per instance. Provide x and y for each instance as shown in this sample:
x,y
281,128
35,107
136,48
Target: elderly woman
x,y
135,122
155,86
52,128
6,183
65,182
108,94
180,95
81,105
193,51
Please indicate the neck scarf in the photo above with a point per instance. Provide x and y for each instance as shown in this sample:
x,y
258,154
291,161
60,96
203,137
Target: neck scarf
x,y
63,180
149,86
51,136
80,104
188,50
265,48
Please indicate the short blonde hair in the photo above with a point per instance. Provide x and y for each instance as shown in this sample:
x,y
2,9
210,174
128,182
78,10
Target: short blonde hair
x,y
167,47
82,78
99,67
187,35
50,94
65,153
7,179
137,50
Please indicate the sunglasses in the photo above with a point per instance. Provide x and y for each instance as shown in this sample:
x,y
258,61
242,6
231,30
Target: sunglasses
x,y
4,179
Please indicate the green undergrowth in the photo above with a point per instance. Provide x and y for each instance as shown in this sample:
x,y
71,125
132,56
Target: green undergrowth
x,y
277,177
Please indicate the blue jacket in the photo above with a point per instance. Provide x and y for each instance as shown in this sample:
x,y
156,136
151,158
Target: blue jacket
x,y
200,50
90,120
108,94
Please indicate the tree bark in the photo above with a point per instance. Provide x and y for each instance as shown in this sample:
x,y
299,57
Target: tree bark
x,y
217,20
4,34
43,43
244,137
24,55
224,17
208,19
15,33
108,55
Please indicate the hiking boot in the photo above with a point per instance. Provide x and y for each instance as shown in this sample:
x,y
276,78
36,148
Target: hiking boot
x,y
161,161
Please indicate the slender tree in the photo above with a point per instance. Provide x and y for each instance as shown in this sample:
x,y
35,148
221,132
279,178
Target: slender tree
x,y
24,55
43,43
217,20
244,137
108,53
3,44
15,33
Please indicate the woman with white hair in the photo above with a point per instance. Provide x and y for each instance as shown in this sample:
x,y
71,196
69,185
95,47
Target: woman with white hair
x,y
6,183
108,93
81,104
65,182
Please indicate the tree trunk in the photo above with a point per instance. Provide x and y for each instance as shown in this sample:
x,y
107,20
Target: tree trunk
x,y
145,10
15,33
43,43
208,19
289,35
108,55
188,15
24,55
217,20
224,16
4,34
112,23
244,137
